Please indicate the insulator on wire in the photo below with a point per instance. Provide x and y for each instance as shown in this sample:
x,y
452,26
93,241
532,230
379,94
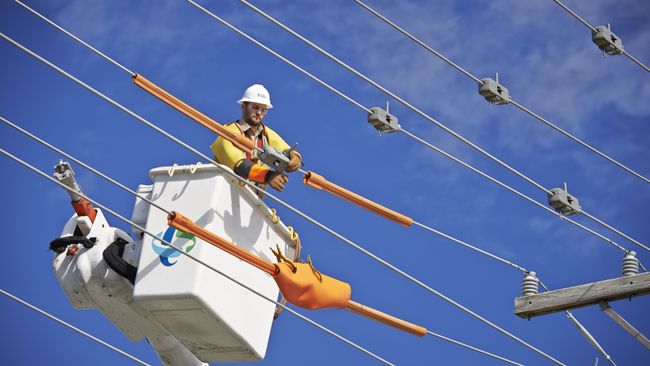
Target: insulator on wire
x,y
607,41
494,92
630,265
383,121
530,284
563,202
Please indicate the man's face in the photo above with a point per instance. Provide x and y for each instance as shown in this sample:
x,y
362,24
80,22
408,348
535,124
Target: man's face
x,y
253,113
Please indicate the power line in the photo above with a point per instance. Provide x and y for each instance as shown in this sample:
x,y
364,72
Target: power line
x,y
344,96
179,250
511,100
65,324
404,131
97,172
594,30
298,212
75,38
581,328
168,212
450,340
393,95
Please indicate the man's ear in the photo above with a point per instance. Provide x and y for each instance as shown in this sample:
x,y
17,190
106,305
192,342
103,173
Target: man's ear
x,y
243,106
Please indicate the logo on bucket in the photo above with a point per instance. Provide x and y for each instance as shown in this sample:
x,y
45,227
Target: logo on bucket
x,y
179,239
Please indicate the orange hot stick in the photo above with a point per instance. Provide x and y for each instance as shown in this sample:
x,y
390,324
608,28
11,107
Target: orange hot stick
x,y
184,224
319,182
384,318
242,143
300,283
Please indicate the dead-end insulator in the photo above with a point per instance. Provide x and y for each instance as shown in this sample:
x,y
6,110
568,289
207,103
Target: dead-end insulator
x,y
607,41
494,92
530,284
630,265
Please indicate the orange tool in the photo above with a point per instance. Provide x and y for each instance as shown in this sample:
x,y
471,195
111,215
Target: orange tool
x,y
319,182
300,283
241,142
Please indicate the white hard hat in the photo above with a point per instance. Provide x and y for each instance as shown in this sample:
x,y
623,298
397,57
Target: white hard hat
x,y
256,93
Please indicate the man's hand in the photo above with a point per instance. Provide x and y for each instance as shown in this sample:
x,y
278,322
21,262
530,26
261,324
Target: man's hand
x,y
278,180
295,162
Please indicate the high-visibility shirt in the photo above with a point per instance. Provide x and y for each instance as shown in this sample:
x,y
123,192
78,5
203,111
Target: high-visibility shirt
x,y
246,165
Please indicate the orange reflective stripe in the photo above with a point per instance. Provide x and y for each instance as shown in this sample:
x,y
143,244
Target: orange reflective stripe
x,y
84,208
258,173
184,224
318,182
241,142
303,288
384,318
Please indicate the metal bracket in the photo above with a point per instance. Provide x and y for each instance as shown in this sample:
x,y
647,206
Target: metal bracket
x,y
494,92
607,41
274,158
382,120
563,202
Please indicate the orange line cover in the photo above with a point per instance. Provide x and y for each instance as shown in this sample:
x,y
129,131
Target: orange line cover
x,y
184,224
300,283
384,318
242,143
319,182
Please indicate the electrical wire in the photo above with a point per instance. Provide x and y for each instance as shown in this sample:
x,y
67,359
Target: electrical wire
x,y
344,96
594,30
511,100
179,250
97,172
70,326
393,95
402,130
581,328
168,212
450,340
300,213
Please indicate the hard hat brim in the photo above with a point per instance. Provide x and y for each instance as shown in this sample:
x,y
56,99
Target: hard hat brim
x,y
242,100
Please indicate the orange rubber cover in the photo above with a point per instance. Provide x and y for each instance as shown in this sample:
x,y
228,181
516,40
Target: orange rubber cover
x,y
241,142
304,287
84,208
384,318
184,224
319,182
309,289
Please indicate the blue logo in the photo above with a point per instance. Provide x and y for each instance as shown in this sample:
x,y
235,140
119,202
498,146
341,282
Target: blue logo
x,y
179,239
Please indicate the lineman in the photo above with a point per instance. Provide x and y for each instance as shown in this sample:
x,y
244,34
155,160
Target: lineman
x,y
254,104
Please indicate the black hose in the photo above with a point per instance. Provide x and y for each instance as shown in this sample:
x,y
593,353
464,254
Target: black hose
x,y
59,244
113,258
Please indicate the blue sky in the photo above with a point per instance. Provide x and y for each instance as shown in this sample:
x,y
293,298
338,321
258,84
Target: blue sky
x,y
543,55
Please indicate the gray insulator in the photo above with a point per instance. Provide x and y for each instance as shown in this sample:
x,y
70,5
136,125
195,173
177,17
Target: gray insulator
x,y
563,202
607,41
383,121
630,265
530,284
494,92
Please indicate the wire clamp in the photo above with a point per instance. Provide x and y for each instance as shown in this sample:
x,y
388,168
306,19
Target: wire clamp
x,y
274,158
563,202
382,120
494,92
607,41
